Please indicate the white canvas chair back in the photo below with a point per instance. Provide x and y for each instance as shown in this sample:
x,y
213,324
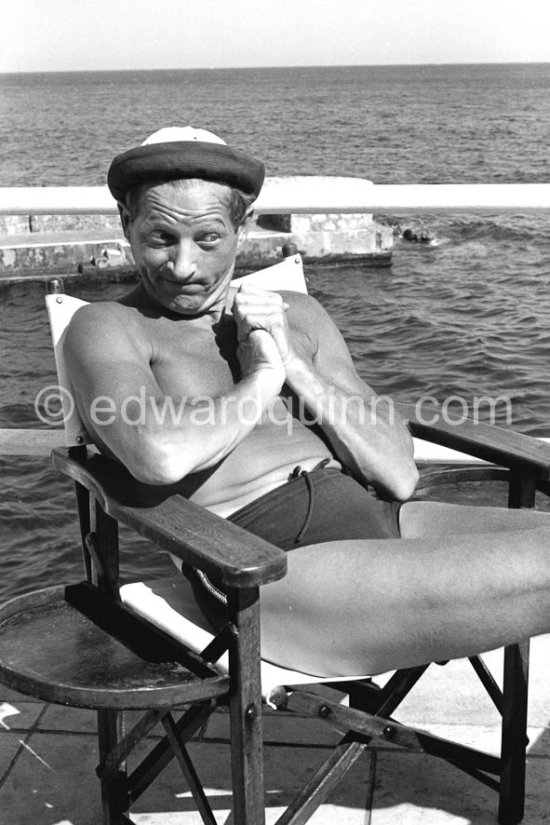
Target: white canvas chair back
x,y
169,603
61,309
287,274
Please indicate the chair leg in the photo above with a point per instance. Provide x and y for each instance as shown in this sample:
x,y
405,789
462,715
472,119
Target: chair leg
x,y
246,709
114,790
514,734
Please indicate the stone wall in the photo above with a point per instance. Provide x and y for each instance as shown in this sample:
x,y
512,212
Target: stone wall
x,y
335,235
24,224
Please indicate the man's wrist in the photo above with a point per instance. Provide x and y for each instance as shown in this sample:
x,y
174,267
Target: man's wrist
x,y
265,380
299,373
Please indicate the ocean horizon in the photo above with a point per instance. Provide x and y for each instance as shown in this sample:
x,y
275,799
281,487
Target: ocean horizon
x,y
286,66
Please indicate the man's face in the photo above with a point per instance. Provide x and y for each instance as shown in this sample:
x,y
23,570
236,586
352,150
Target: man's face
x,y
184,245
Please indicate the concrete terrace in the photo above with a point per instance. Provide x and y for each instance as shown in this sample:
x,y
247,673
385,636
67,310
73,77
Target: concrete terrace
x,y
102,254
48,758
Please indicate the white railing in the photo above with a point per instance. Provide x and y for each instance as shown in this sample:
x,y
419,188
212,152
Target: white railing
x,y
42,442
315,194
288,196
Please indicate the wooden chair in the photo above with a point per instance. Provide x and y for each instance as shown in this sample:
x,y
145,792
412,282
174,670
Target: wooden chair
x,y
100,645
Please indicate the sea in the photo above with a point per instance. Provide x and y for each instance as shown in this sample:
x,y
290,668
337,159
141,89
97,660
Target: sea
x,y
464,317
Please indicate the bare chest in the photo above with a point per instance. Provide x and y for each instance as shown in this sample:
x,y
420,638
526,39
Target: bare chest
x,y
191,360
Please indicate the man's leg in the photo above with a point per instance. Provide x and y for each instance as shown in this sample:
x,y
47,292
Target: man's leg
x,y
364,607
433,518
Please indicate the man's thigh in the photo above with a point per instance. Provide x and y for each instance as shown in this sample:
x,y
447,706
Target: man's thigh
x,y
434,518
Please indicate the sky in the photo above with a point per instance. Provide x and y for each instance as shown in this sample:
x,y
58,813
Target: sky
x,y
73,35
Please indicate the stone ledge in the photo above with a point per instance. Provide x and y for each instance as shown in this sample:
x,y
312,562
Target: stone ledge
x,y
37,247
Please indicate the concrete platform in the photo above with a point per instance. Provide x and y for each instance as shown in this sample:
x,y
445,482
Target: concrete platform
x,y
48,758
40,256
37,247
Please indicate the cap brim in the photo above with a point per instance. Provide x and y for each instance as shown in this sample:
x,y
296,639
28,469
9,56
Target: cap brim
x,y
160,162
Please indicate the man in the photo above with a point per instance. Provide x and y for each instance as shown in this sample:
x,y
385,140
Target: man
x,y
248,402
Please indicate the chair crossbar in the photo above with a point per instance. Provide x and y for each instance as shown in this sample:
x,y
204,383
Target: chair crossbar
x,y
220,644
397,688
488,681
482,777
372,726
162,753
130,740
323,781
188,770
365,694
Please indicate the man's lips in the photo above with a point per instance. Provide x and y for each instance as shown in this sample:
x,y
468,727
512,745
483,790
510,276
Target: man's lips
x,y
191,288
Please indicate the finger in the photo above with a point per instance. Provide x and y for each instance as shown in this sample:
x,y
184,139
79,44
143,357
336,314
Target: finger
x,y
261,297
252,323
262,318
260,314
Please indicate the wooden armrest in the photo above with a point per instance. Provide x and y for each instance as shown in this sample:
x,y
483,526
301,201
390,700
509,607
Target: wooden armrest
x,y
490,443
224,551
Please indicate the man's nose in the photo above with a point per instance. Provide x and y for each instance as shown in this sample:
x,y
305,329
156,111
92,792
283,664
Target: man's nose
x,y
183,262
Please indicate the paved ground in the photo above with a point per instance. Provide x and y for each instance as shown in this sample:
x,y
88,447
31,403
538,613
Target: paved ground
x,y
47,761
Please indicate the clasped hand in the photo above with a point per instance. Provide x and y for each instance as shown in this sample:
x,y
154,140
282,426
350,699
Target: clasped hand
x,y
262,330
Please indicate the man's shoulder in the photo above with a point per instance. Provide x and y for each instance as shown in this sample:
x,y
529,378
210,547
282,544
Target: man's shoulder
x,y
300,300
304,308
104,326
103,314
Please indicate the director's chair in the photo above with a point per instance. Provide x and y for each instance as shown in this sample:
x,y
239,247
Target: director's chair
x,y
111,647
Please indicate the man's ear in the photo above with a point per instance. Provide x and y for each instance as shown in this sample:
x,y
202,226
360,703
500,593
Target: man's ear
x,y
245,225
124,220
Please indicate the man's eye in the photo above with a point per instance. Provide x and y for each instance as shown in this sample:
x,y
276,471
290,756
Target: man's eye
x,y
209,237
161,238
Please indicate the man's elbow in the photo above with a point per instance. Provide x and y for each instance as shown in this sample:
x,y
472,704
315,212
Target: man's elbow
x,y
405,476
404,483
154,461
156,473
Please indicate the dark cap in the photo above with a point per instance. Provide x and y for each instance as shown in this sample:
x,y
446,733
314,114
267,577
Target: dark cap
x,y
179,153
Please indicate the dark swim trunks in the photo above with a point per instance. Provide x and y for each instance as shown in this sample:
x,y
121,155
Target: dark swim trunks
x,y
324,504
321,505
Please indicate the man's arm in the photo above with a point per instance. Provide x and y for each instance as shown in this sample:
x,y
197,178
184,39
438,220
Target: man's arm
x,y
160,438
360,426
